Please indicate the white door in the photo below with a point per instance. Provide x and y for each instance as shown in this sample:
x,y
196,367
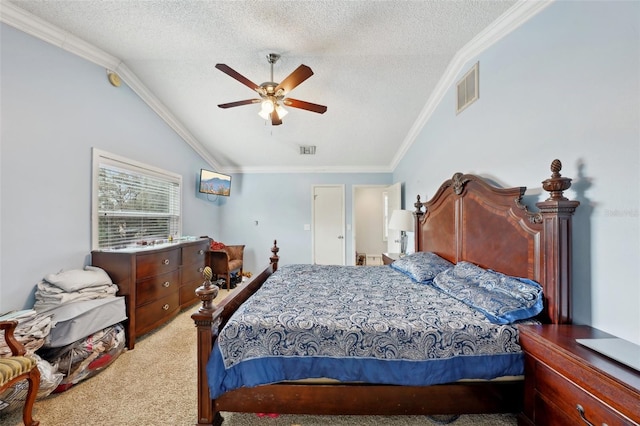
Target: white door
x,y
393,203
328,225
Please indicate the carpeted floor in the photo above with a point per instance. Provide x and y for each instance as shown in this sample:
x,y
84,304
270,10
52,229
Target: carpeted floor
x,y
155,384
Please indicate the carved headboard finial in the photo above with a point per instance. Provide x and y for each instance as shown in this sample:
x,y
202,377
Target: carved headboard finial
x,y
458,183
556,184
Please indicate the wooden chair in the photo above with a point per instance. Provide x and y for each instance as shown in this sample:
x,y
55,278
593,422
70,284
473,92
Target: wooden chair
x,y
224,262
19,367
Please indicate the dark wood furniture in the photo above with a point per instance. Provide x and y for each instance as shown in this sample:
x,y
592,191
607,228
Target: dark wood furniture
x,y
18,367
569,384
156,282
225,261
467,219
389,258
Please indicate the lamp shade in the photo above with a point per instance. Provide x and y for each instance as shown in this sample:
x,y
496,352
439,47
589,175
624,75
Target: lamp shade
x,y
401,220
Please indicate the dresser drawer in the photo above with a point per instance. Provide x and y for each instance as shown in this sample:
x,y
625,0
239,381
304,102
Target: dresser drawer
x,y
195,253
153,314
568,397
547,413
153,288
192,273
188,294
151,264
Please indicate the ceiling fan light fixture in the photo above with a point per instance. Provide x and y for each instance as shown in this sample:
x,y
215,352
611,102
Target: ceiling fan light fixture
x,y
264,115
281,111
267,106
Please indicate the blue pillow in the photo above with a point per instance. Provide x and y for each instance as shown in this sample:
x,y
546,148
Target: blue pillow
x,y
421,266
501,298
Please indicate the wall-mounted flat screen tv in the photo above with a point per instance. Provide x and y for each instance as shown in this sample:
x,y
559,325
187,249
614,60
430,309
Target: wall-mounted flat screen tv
x,y
214,183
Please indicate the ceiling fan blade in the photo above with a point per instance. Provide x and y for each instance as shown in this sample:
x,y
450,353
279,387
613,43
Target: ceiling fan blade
x,y
295,103
300,74
235,74
275,119
240,103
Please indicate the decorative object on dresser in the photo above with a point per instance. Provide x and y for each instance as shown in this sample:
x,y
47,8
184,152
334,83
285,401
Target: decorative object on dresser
x,y
19,367
567,383
225,260
456,224
157,281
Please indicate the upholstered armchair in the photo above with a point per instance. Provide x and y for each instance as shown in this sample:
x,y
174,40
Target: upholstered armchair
x,y
225,261
17,367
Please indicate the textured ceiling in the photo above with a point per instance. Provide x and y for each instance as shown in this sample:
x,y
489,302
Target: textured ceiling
x,y
376,65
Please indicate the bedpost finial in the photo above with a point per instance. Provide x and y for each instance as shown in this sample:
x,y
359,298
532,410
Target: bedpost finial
x,y
418,205
556,184
207,291
274,258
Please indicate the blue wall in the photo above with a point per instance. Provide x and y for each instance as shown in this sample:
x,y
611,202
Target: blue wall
x,y
55,108
564,85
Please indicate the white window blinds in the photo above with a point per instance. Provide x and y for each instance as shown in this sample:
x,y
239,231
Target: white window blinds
x,y
133,202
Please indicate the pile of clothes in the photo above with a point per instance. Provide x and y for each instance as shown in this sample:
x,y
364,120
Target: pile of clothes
x,y
32,330
74,331
87,333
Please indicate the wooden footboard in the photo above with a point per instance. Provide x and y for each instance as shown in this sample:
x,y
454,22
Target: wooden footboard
x,y
210,319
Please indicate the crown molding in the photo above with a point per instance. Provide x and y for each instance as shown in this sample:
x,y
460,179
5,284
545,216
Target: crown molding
x,y
321,169
36,27
513,18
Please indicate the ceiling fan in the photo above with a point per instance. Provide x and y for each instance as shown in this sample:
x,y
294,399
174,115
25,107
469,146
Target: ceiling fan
x,y
272,95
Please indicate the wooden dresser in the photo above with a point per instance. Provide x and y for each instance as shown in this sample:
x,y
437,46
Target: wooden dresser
x,y
156,282
569,384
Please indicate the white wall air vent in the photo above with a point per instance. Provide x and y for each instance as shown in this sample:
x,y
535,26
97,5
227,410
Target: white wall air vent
x,y
468,90
307,150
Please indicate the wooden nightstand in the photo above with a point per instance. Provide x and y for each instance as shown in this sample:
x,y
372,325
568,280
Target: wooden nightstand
x,y
569,384
388,258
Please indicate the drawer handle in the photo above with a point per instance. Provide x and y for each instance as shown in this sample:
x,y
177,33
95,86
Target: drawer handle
x,y
165,307
166,284
165,262
200,251
584,418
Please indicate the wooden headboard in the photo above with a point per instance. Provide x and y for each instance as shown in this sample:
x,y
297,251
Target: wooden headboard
x,y
470,219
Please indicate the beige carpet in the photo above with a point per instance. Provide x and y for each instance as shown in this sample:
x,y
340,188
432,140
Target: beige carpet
x,y
155,384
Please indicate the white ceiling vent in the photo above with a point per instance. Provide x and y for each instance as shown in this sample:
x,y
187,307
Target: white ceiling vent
x,y
468,91
307,150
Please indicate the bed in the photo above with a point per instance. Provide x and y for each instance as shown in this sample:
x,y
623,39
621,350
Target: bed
x,y
469,221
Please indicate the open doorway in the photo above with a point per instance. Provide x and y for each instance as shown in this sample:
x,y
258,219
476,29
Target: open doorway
x,y
372,206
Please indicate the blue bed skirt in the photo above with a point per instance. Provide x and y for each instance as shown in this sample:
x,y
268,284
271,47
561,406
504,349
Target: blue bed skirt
x,y
268,370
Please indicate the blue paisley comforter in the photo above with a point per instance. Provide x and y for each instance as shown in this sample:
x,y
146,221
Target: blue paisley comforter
x,y
367,324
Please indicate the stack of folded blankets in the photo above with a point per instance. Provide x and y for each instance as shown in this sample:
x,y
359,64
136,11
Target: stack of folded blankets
x,y
87,334
32,330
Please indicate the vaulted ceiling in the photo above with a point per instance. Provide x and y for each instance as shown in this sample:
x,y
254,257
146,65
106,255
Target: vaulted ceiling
x,y
379,66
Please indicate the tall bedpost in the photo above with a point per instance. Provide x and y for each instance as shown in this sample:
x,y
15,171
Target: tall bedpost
x,y
203,319
417,214
274,258
557,212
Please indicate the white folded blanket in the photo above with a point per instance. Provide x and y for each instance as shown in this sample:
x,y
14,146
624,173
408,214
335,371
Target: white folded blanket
x,y
78,279
49,296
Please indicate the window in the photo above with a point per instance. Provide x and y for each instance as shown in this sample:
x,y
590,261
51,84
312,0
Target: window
x,y
133,202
